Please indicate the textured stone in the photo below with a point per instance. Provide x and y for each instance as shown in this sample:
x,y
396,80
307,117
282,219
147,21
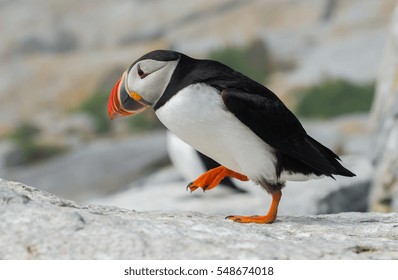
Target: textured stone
x,y
97,168
38,225
166,191
385,128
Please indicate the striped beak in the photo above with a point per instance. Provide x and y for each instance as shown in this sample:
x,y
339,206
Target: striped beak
x,y
121,103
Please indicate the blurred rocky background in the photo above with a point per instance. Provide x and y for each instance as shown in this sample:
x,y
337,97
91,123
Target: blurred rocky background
x,y
333,62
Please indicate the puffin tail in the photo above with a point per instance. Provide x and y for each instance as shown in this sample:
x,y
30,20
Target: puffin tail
x,y
342,171
333,159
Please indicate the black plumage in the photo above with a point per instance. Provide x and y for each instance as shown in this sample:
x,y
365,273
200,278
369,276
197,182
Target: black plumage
x,y
261,110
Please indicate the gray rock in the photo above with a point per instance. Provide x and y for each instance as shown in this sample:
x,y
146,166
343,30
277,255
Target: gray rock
x,y
385,128
97,168
324,41
38,225
69,131
346,135
6,147
166,190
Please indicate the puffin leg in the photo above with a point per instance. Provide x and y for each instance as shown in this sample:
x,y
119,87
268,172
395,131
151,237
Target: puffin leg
x,y
213,177
267,219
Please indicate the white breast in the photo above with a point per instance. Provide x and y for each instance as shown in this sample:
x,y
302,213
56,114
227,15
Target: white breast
x,y
198,116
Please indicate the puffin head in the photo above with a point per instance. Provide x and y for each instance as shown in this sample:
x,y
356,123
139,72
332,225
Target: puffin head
x,y
143,83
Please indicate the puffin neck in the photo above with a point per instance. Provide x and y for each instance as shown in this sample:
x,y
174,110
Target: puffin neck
x,y
180,79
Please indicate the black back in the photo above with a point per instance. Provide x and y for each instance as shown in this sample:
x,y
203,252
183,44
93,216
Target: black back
x,y
258,108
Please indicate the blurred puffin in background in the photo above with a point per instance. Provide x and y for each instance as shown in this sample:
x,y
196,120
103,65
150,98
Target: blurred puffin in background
x,y
237,122
191,163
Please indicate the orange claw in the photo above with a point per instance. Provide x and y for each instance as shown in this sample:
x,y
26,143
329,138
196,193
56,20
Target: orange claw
x,y
213,177
267,219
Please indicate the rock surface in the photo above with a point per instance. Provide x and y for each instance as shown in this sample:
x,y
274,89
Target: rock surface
x,y
38,225
97,168
385,128
165,190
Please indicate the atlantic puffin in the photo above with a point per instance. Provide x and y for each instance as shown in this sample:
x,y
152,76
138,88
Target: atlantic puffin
x,y
227,116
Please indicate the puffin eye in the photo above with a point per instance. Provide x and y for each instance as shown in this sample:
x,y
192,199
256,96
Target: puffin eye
x,y
141,73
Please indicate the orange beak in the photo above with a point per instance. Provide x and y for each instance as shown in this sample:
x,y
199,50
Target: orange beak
x,y
120,104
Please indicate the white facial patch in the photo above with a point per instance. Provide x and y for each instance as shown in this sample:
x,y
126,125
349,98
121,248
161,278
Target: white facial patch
x,y
152,86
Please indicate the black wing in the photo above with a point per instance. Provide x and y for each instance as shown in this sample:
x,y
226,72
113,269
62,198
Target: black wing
x,y
261,110
273,122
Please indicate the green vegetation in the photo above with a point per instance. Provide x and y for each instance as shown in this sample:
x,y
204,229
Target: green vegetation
x,y
334,97
96,106
252,61
144,121
28,150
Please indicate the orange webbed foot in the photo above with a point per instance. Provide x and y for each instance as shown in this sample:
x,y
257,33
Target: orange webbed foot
x,y
213,177
267,219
